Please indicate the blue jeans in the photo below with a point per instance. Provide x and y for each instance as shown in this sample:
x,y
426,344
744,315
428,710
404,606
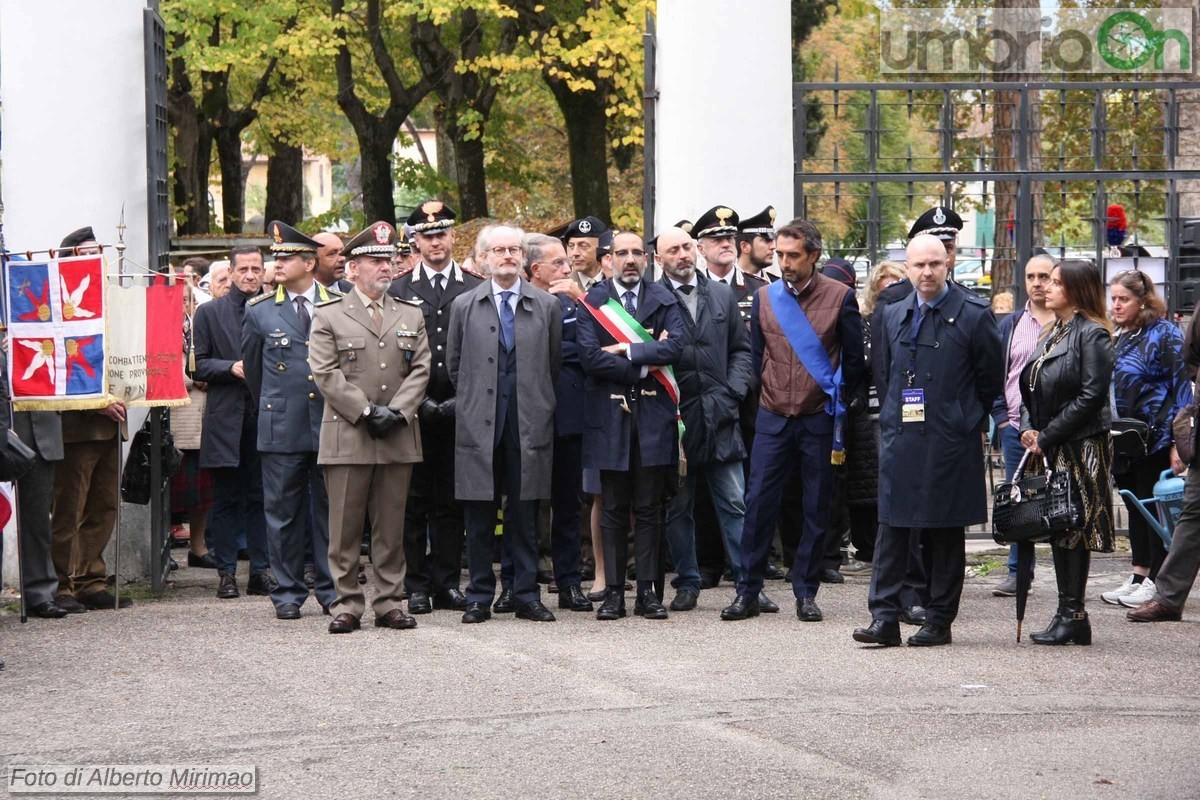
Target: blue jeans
x,y
1010,446
727,486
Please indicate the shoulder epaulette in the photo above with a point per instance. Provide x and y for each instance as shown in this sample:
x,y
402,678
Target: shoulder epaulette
x,y
473,273
754,278
256,300
331,300
413,303
403,272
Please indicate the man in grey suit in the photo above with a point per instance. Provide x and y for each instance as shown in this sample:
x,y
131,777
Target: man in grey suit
x,y
42,432
504,354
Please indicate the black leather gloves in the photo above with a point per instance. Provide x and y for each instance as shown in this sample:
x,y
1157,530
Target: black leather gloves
x,y
381,421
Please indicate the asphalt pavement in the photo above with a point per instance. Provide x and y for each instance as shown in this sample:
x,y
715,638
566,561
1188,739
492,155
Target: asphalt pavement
x,y
690,707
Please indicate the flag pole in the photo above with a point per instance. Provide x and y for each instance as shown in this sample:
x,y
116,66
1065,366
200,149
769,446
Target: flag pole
x,y
120,247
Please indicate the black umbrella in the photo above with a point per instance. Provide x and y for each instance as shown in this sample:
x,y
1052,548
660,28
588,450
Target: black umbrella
x,y
1025,562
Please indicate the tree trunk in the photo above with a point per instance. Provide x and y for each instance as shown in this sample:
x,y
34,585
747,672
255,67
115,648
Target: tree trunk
x,y
587,144
285,184
472,178
447,163
375,149
193,151
233,184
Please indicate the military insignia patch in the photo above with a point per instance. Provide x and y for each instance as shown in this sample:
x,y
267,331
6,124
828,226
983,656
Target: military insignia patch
x,y
276,234
939,216
431,208
383,233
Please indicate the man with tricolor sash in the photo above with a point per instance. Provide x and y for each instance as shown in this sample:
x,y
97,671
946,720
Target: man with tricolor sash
x,y
806,344
630,333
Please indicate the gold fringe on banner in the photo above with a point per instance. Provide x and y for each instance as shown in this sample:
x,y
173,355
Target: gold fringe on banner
x,y
158,403
65,404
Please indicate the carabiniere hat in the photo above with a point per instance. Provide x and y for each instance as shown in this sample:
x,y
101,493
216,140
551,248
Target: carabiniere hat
x,y
432,216
938,221
379,240
717,221
761,224
286,240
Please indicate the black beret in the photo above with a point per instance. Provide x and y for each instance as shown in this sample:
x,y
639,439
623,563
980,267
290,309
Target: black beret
x,y
586,228
76,238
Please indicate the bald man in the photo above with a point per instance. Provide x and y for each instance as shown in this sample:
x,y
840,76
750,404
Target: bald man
x,y
331,264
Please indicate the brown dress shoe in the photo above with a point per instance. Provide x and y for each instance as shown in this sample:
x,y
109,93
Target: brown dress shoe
x,y
1153,611
344,623
396,618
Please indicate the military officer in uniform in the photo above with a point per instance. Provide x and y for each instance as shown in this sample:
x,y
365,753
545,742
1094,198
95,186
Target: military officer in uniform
x,y
715,234
756,244
434,519
370,360
275,355
584,250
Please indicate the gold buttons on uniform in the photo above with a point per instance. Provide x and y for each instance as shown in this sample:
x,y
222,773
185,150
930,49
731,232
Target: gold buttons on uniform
x,y
383,366
310,377
312,396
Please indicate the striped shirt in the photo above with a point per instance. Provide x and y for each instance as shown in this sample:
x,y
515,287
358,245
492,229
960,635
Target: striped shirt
x,y
1021,346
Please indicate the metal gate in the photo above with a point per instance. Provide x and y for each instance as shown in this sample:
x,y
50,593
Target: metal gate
x,y
870,157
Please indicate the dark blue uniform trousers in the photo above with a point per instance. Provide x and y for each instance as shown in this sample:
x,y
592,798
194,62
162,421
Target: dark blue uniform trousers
x,y
564,513
944,557
782,446
238,505
297,517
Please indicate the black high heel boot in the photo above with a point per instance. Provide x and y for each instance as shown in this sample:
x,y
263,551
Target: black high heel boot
x,y
1073,625
1060,577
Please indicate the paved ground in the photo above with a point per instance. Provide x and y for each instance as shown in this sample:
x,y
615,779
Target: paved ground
x,y
691,707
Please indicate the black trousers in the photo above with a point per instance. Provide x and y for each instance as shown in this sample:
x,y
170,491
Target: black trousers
x,y
433,519
1148,549
564,499
640,490
944,553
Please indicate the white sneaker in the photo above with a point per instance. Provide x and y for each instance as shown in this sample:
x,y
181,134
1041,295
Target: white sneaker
x,y
1114,597
1145,591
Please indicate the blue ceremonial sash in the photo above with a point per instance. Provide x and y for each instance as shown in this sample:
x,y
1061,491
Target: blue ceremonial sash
x,y
808,347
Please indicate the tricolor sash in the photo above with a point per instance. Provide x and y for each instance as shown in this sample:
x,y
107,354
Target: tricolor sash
x,y
621,325
812,355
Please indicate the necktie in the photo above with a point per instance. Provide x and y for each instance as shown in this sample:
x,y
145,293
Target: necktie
x,y
376,311
507,320
302,313
918,320
630,305
437,287
687,289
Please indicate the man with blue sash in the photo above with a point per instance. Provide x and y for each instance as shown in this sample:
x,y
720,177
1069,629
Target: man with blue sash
x,y
806,344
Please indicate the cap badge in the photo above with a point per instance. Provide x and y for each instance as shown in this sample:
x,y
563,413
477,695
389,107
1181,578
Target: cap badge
x,y
431,208
276,234
771,214
686,227
723,214
585,226
939,217
382,233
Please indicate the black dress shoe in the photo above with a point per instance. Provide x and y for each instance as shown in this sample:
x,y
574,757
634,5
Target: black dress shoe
x,y
831,576
201,562
534,611
418,603
505,605
772,573
310,577
395,619
613,606
47,610
476,612
227,590
104,600
685,599
172,564
930,635
597,596
913,615
450,600
879,632
572,598
807,611
743,607
69,604
587,573
243,555
262,584
648,605
766,605
344,623
709,580
545,576
287,611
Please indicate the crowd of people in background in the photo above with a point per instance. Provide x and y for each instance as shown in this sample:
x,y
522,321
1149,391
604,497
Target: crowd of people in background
x,y
720,402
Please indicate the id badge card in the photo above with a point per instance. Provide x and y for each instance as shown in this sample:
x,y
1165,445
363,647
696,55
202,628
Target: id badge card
x,y
912,405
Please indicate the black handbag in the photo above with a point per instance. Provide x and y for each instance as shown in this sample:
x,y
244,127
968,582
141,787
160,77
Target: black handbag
x,y
135,479
16,458
1030,509
1129,437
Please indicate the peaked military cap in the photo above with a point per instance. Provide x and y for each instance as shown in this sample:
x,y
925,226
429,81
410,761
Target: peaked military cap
x,y
286,240
588,227
717,221
761,224
403,246
939,221
432,215
684,225
377,240
604,244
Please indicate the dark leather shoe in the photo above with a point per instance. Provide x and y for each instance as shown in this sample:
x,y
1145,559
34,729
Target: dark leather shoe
x,y
47,610
476,612
172,564
587,573
879,632
310,577
262,584
325,610
227,590
573,598
553,587
104,600
685,599
613,606
287,611
201,562
766,605
545,577
773,573
1153,611
807,611
69,604
418,603
648,605
709,580
505,604
743,607
598,595
534,611
344,623
831,576
913,615
930,635
395,619
450,600
362,574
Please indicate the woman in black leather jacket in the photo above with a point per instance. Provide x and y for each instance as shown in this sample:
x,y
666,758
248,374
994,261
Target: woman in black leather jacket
x,y
1065,417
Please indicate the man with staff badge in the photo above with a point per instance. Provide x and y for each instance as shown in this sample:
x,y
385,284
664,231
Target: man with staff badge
x,y
275,355
370,359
